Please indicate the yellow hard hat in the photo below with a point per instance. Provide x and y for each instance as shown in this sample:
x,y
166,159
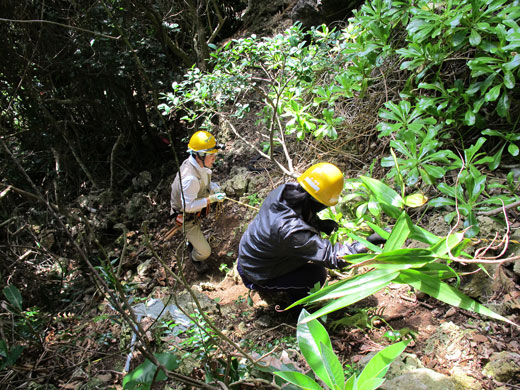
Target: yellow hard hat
x,y
324,182
203,142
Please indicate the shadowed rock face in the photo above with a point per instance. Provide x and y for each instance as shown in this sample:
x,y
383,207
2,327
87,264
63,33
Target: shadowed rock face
x,y
316,12
265,16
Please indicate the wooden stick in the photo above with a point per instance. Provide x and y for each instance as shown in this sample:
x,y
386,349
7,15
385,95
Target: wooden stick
x,y
170,233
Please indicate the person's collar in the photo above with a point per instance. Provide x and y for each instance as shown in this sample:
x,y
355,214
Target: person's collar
x,y
195,163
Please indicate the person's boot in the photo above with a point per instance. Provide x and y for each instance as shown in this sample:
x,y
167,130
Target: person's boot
x,y
200,266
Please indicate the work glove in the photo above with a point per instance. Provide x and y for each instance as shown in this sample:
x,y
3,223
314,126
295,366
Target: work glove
x,y
327,226
218,197
376,239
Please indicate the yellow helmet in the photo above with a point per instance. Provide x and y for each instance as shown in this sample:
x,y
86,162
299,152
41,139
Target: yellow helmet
x,y
324,182
203,142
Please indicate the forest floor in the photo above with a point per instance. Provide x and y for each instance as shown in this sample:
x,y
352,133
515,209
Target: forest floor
x,y
447,340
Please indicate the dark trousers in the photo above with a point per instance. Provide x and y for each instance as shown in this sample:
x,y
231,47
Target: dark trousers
x,y
296,284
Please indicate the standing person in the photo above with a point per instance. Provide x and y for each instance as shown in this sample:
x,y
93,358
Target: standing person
x,y
192,193
282,248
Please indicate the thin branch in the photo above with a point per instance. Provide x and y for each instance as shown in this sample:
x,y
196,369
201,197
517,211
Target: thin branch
x,y
284,170
59,24
499,209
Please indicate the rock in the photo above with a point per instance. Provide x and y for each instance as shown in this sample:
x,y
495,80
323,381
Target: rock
x,y
237,185
481,285
438,226
308,13
449,341
264,321
185,301
463,380
406,362
502,366
420,379
143,269
489,227
142,181
137,207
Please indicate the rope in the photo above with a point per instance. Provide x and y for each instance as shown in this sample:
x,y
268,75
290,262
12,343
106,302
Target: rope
x,y
242,203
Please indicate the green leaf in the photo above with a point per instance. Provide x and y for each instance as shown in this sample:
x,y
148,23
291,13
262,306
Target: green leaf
x,y
399,234
12,294
352,285
372,384
407,257
514,63
441,201
503,105
311,335
438,270
363,286
445,293
497,157
415,200
391,202
299,379
145,372
493,93
513,149
333,366
420,234
469,118
474,38
509,80
446,244
434,171
378,365
351,383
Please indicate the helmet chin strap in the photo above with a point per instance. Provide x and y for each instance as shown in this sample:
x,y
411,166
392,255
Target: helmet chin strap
x,y
202,157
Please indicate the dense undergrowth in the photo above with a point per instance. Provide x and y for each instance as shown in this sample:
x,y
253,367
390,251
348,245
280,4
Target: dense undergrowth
x,y
431,84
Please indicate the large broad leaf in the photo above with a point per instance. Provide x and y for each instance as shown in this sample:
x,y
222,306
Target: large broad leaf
x,y
346,286
391,201
371,286
420,234
311,335
351,383
378,365
445,293
444,245
400,233
299,379
143,375
403,259
12,294
333,366
438,270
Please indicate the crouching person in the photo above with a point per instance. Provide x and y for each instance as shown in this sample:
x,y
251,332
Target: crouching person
x,y
282,249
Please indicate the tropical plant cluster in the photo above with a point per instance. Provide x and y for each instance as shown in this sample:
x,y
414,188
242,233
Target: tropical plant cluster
x,y
440,76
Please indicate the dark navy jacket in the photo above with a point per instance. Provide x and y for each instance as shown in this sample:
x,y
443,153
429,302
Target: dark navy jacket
x,y
279,240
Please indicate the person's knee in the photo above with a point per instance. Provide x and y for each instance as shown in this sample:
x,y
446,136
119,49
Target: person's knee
x,y
201,252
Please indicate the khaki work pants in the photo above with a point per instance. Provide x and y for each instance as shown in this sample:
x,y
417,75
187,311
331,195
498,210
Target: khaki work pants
x,y
201,249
